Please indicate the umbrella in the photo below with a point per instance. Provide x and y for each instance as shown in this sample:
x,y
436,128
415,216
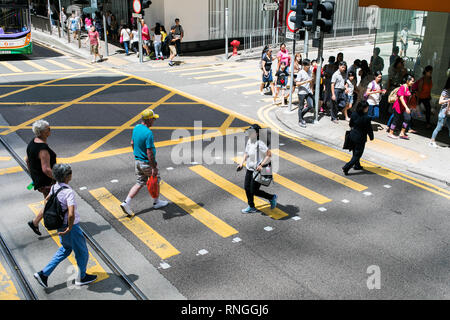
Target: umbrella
x,y
90,10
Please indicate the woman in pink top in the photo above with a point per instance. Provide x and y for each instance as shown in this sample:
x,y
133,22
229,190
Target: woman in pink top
x,y
283,56
87,23
402,113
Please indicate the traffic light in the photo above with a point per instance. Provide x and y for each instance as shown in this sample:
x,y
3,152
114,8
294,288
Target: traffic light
x,y
146,4
305,14
326,9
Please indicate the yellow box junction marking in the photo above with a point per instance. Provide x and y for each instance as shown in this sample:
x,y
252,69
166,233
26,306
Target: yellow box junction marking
x,y
236,191
8,290
93,266
152,239
59,64
35,65
201,214
10,66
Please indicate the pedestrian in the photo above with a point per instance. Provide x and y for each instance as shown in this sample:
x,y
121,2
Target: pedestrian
x,y
305,93
135,39
339,59
178,34
354,68
75,24
170,40
144,151
94,41
98,23
376,62
63,19
70,234
328,71
424,86
404,41
164,46
283,56
338,86
394,55
87,23
257,155
444,113
351,84
267,71
365,78
361,127
40,161
145,38
297,67
125,35
281,78
157,43
114,25
373,93
401,111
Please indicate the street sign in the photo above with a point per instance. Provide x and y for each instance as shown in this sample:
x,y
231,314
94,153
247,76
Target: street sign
x,y
136,15
293,3
292,35
291,25
137,6
271,6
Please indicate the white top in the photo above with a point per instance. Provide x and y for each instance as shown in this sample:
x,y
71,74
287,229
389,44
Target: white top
x,y
351,87
251,149
304,76
157,38
66,198
135,34
375,98
125,33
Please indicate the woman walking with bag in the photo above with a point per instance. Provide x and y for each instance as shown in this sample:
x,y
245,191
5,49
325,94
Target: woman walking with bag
x,y
402,113
444,114
255,150
373,95
361,127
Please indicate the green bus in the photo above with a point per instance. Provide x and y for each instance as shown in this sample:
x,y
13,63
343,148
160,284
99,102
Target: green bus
x,y
15,27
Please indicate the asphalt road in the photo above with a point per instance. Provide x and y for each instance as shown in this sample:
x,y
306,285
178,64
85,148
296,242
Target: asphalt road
x,y
327,234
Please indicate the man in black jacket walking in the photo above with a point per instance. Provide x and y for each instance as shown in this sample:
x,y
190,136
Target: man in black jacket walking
x,y
361,127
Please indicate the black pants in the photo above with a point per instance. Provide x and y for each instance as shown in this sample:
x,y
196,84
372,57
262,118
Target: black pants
x,y
358,151
252,189
309,105
178,46
337,104
426,103
402,119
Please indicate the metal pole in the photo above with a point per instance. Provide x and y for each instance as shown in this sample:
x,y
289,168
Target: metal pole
x,y
141,58
105,31
264,30
60,20
291,80
318,71
49,16
306,43
226,33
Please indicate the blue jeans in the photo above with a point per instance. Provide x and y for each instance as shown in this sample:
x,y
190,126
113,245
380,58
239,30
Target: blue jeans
x,y
158,51
374,111
74,240
126,45
390,119
441,120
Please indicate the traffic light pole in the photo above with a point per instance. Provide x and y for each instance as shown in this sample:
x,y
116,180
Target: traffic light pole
x,y
141,58
306,43
291,79
318,72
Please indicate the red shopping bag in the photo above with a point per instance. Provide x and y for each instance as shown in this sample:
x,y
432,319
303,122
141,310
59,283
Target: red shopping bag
x,y
152,186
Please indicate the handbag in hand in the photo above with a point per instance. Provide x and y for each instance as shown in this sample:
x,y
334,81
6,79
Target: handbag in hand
x,y
263,177
348,143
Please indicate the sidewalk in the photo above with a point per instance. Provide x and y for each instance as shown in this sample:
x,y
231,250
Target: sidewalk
x,y
413,156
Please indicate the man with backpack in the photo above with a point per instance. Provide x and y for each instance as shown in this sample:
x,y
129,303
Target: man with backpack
x,y
60,213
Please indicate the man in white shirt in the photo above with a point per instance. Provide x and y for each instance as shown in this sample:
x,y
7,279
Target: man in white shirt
x,y
404,41
303,82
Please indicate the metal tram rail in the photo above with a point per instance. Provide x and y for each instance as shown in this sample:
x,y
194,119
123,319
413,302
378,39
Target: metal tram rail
x,y
25,285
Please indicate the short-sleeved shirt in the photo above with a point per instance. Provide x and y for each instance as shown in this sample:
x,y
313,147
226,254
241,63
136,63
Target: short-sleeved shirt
x,y
145,36
142,140
374,98
398,106
268,65
66,198
304,76
178,29
339,80
284,57
125,33
351,86
282,76
93,36
251,149
446,95
404,36
135,34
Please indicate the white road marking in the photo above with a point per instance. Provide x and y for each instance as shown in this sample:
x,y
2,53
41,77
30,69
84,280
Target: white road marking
x,y
202,252
296,218
236,240
164,265
367,193
322,209
169,168
345,201
114,181
387,186
194,163
83,188
268,228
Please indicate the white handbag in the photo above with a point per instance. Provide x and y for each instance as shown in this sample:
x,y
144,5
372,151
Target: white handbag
x,y
265,176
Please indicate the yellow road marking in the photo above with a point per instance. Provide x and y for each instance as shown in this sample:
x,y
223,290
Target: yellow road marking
x,y
5,158
10,170
81,63
10,66
115,127
236,191
136,225
8,289
35,65
297,188
40,72
201,214
93,267
66,105
227,123
243,85
123,127
323,172
59,64
232,80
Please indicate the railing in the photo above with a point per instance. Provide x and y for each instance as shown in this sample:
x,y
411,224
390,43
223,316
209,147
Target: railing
x,y
43,24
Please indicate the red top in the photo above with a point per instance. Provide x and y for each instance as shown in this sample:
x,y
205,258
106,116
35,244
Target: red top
x,y
398,106
93,36
145,30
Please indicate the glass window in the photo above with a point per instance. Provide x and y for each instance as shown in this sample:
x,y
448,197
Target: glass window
x,y
13,20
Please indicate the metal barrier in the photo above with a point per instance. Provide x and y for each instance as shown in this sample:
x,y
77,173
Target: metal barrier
x,y
255,40
43,24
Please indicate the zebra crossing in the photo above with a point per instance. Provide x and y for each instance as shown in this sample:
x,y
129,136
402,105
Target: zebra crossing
x,y
42,66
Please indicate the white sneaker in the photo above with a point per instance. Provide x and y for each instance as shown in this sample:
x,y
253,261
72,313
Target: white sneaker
x,y
433,144
126,209
159,204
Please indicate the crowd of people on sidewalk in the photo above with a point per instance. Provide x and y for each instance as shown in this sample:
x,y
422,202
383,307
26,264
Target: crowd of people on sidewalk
x,y
343,88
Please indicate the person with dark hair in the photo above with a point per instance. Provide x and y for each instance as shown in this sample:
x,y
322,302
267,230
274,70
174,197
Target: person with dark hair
x,y
394,55
424,86
266,65
178,35
444,113
257,154
339,59
354,67
305,93
338,86
373,93
396,73
328,71
361,127
401,111
351,84
157,42
376,62
283,56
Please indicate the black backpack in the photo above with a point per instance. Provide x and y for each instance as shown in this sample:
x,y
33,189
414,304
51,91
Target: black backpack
x,y
53,213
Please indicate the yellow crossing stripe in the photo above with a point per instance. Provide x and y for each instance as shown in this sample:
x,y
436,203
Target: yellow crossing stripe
x,y
136,225
10,66
236,191
199,213
35,65
297,188
59,64
81,63
232,80
7,289
93,266
323,172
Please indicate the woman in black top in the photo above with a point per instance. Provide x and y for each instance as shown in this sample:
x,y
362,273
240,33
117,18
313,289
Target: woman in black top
x,y
361,127
40,161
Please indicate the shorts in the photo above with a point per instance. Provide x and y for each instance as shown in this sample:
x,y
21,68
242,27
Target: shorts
x,y
94,48
268,78
349,98
143,170
173,50
404,46
281,86
146,43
